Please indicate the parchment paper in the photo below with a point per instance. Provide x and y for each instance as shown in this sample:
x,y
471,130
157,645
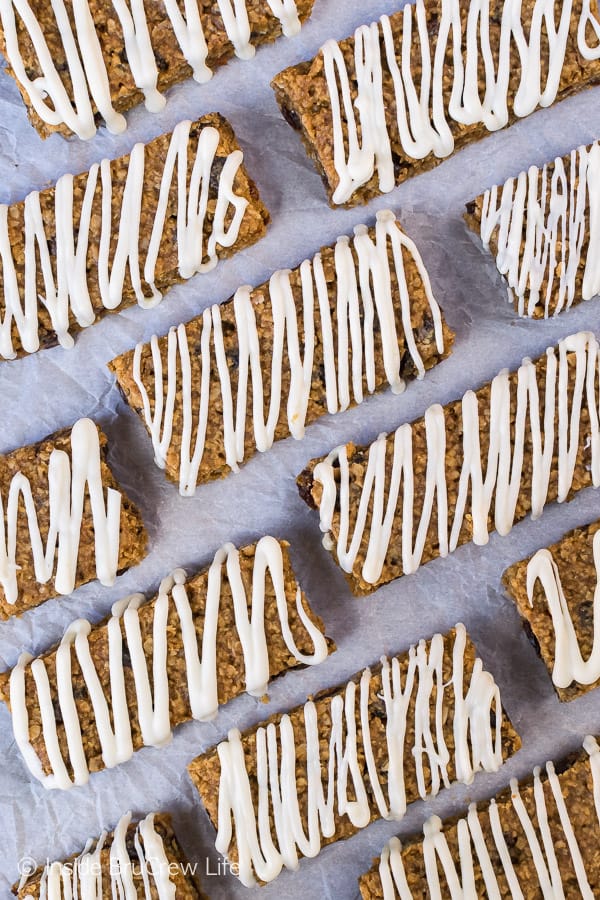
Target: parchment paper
x,y
53,388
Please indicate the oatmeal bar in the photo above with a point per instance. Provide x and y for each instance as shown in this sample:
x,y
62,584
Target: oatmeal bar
x,y
91,702
538,839
64,519
541,229
123,233
481,463
405,92
554,591
81,63
356,318
138,859
360,752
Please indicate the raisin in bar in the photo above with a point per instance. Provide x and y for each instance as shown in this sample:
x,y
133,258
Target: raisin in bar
x,y
554,591
404,730
476,465
123,233
91,703
64,520
78,64
356,318
540,228
138,859
405,92
538,839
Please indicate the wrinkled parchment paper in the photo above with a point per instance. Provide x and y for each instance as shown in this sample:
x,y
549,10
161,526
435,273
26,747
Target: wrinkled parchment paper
x,y
52,389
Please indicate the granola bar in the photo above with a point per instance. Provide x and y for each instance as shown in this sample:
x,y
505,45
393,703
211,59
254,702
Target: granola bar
x,y
554,591
404,730
123,233
80,63
528,438
405,92
540,227
356,318
91,702
64,520
539,839
138,859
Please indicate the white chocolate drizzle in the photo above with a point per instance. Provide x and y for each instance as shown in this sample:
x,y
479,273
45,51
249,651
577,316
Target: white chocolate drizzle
x,y
65,272
538,847
69,482
86,878
49,95
112,713
477,726
385,519
419,70
348,340
553,212
569,665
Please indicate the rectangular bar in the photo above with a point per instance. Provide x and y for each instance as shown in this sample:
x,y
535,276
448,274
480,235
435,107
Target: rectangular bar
x,y
80,63
537,839
138,859
528,438
64,519
554,591
405,92
542,230
352,755
112,688
123,233
358,317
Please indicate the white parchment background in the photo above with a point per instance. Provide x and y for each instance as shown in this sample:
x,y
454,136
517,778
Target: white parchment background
x,y
51,390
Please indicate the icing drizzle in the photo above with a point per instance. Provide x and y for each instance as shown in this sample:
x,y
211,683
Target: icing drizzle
x,y
348,341
539,842
263,851
69,481
112,713
569,664
86,65
86,877
384,509
423,122
65,272
554,212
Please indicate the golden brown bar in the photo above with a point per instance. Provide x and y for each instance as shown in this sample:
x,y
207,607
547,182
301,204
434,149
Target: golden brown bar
x,y
112,688
143,858
371,113
72,522
353,754
538,839
100,62
121,233
554,591
539,227
304,324
476,465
